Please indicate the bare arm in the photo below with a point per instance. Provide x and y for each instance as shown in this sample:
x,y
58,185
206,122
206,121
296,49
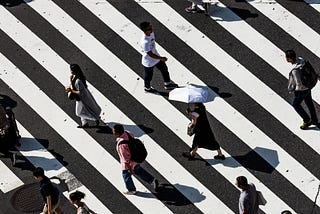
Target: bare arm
x,y
49,204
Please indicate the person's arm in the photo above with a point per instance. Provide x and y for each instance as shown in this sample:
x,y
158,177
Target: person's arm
x,y
49,204
297,79
151,54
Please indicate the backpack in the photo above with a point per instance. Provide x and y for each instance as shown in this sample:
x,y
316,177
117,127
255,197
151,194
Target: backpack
x,y
309,77
137,149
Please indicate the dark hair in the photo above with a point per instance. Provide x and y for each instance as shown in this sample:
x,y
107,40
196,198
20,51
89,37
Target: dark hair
x,y
75,68
242,181
290,54
118,128
286,212
76,196
144,26
38,172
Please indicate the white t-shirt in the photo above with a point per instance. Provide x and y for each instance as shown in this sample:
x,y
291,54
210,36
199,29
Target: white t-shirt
x,y
148,43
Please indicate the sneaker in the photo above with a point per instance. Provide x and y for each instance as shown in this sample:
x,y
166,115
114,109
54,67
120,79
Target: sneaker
x,y
155,184
218,157
130,192
150,90
305,125
191,9
170,86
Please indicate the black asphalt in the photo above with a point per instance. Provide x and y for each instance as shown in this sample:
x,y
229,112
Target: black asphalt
x,y
166,138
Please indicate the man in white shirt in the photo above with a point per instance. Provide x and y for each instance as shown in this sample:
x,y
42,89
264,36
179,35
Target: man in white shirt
x,y
151,58
300,92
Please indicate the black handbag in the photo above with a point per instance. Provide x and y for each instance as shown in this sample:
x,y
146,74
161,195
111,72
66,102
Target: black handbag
x,y
190,129
71,95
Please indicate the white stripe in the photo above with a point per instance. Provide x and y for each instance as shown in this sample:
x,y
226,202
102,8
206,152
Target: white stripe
x,y
8,180
175,174
275,57
314,3
38,156
77,138
126,30
112,66
107,68
289,23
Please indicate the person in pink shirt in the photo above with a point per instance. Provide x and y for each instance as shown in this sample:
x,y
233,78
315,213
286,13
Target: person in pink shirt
x,y
130,167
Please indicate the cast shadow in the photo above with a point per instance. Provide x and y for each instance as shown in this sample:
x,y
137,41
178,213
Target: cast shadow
x,y
61,184
12,3
168,194
252,160
28,144
237,14
6,101
221,94
137,130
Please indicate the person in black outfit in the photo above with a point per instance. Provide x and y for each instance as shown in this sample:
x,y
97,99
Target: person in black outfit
x,y
203,135
50,193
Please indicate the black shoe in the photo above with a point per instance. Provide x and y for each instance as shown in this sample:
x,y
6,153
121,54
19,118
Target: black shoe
x,y
150,90
218,157
188,155
97,122
83,126
170,86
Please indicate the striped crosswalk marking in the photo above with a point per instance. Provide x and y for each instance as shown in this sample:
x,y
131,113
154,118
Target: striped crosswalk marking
x,y
287,165
40,157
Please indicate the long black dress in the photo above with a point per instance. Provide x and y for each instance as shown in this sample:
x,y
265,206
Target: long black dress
x,y
203,137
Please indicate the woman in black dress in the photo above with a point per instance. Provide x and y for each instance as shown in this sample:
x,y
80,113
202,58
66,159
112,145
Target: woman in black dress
x,y
203,135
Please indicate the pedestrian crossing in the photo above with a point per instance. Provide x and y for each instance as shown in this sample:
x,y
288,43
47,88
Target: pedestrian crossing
x,y
256,126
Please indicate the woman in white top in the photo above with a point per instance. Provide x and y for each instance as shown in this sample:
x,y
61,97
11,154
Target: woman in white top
x,y
82,208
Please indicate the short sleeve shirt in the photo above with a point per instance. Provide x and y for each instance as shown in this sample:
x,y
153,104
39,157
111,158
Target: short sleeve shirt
x,y
248,200
47,189
148,43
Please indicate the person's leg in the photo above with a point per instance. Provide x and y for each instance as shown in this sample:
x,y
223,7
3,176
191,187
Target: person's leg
x,y
164,71
128,181
296,103
148,73
308,101
56,208
45,209
168,85
143,174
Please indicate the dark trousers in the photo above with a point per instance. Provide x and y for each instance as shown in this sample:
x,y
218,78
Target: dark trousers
x,y
148,73
140,172
305,96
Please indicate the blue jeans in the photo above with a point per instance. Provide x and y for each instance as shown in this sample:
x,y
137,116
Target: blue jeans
x,y
148,73
140,172
305,96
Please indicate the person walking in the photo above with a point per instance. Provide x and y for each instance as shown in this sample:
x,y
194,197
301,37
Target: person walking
x,y
248,200
128,166
49,193
151,58
86,106
300,92
82,208
203,135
